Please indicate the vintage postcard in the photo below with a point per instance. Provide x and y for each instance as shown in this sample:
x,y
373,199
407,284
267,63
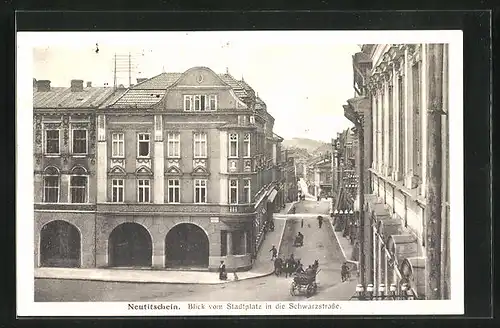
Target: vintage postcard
x,y
239,173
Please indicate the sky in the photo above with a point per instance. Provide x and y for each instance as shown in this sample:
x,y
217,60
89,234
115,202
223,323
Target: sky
x,y
304,77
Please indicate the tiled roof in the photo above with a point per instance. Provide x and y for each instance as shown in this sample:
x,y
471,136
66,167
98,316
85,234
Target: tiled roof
x,y
237,86
139,98
64,98
161,81
259,104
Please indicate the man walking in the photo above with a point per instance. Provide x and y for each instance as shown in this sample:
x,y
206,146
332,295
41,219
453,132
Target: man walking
x,y
222,271
274,253
320,221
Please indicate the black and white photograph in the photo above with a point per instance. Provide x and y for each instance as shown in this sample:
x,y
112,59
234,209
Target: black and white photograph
x,y
243,172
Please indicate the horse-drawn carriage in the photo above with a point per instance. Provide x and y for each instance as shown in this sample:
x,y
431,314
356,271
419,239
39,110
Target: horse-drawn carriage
x,y
299,240
304,283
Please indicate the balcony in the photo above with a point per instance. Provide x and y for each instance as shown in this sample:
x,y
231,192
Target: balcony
x,y
162,209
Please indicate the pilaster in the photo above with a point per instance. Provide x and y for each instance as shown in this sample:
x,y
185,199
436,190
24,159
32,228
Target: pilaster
x,y
102,160
159,162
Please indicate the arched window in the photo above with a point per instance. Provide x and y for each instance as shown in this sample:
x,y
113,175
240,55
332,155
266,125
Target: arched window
x,y
51,185
79,185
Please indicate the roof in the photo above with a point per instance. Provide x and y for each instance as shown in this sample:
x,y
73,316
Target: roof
x,y
141,98
152,91
64,98
161,81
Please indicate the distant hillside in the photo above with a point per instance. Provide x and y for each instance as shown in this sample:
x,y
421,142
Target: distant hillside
x,y
307,144
323,149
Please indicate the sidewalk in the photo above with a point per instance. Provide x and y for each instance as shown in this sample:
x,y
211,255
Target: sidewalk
x,y
263,266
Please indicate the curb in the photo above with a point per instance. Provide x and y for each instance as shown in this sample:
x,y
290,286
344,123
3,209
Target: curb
x,y
356,263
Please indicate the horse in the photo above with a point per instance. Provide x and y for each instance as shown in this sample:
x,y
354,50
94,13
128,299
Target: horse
x,y
315,265
290,267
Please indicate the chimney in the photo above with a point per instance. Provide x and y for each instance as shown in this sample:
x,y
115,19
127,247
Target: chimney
x,y
76,85
141,79
89,84
43,85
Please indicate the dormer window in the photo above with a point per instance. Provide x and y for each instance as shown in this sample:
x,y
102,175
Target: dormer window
x,y
200,103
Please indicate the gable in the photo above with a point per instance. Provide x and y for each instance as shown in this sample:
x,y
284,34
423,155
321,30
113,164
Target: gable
x,y
117,170
200,170
199,76
143,170
173,170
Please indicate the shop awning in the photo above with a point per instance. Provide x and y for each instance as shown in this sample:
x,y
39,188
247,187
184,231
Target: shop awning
x,y
272,195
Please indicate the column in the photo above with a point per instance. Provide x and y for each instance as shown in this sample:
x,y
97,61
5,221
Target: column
x,y
159,162
245,241
423,122
223,183
408,154
229,239
102,160
65,189
387,163
374,131
375,257
395,124
158,260
380,129
433,210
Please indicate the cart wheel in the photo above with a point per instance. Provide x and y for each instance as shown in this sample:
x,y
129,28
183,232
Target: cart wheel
x,y
293,288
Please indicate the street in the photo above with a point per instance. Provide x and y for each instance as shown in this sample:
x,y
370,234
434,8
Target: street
x,y
318,244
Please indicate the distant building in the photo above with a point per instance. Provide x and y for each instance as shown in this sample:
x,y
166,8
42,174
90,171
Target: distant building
x,y
179,171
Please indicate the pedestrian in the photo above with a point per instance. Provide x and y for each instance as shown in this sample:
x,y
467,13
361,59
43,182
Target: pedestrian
x,y
302,223
274,253
320,221
222,271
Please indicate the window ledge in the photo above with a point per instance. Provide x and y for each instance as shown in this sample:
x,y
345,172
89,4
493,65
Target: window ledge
x,y
199,157
52,155
79,155
117,157
399,185
143,158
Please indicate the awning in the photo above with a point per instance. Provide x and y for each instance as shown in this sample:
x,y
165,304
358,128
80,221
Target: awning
x,y
272,195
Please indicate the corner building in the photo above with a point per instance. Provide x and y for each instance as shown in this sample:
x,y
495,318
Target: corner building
x,y
186,174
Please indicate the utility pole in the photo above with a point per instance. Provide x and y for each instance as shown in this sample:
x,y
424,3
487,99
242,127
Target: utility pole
x,y
434,174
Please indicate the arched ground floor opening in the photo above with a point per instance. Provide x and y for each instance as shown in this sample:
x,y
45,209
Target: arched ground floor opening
x,y
60,245
130,245
186,245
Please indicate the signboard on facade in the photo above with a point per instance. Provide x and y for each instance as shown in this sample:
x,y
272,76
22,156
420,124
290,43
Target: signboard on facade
x,y
214,219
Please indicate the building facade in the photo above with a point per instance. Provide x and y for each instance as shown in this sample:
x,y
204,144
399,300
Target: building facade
x,y
403,104
185,174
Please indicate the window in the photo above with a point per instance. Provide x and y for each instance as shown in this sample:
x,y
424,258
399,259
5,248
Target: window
x,y
79,141
252,119
52,142
174,191
200,145
402,129
246,191
246,145
200,191
143,145
233,191
197,103
174,145
118,188
212,102
417,153
233,145
143,191
117,145
78,186
51,186
188,103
